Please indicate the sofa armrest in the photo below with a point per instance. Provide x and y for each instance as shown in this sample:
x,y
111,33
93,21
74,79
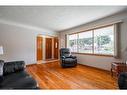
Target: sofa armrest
x,y
11,67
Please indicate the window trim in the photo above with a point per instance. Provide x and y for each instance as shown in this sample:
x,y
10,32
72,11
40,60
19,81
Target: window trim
x,y
94,54
91,29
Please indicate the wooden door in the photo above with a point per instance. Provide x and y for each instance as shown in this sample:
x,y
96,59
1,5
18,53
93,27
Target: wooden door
x,y
39,48
56,47
48,48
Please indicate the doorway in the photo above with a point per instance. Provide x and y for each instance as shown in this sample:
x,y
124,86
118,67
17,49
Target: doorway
x,y
48,48
39,48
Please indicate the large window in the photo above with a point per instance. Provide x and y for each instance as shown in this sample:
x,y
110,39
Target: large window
x,y
96,41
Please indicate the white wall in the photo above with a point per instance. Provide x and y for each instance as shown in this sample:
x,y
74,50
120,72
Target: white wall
x,y
19,41
100,61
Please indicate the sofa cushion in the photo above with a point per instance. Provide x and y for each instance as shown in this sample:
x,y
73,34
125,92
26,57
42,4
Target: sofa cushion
x,y
19,80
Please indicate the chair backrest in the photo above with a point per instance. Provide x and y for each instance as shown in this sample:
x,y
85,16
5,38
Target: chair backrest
x,y
65,52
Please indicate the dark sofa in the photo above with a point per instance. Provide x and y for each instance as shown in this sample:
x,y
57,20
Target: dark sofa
x,y
15,77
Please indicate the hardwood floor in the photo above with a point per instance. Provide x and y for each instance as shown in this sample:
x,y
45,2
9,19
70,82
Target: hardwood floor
x,y
52,76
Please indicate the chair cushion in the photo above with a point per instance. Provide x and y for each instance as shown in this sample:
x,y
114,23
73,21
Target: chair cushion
x,y
69,60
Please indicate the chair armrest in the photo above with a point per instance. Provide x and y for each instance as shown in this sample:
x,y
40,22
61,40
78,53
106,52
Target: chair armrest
x,y
11,67
63,57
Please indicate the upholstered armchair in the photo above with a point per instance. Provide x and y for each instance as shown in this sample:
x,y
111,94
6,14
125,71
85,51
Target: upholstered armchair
x,y
66,59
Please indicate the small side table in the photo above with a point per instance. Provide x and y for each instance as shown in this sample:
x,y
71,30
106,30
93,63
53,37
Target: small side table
x,y
118,67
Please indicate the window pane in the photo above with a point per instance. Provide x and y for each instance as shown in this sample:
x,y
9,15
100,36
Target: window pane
x,y
85,42
72,42
104,40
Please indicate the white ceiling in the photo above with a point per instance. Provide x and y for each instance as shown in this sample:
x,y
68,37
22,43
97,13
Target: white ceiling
x,y
56,18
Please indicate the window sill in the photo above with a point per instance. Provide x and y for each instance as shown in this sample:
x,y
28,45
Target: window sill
x,y
93,54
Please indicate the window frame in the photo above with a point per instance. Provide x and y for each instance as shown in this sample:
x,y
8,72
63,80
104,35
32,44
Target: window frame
x,y
93,53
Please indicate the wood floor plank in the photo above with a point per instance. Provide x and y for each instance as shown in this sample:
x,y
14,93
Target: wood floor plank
x,y
52,76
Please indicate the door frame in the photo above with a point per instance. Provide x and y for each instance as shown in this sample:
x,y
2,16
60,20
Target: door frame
x,y
56,48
